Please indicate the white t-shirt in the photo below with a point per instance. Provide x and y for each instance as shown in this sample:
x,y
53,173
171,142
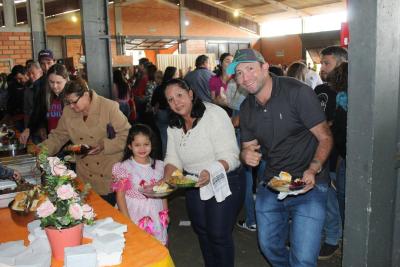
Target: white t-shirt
x,y
212,139
313,79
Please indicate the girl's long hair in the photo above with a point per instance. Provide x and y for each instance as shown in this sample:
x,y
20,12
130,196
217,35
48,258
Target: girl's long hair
x,y
135,130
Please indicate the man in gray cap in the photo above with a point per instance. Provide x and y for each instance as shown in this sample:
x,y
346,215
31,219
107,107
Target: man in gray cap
x,y
282,118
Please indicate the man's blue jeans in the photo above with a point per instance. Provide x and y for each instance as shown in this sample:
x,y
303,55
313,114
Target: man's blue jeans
x,y
307,213
341,186
333,223
249,205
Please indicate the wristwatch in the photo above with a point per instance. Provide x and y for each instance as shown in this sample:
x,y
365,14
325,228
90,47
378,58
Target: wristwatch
x,y
315,161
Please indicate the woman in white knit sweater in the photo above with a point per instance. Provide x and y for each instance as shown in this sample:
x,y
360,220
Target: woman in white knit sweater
x,y
201,135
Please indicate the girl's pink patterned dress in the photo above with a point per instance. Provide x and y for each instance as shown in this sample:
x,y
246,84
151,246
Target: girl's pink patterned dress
x,y
147,213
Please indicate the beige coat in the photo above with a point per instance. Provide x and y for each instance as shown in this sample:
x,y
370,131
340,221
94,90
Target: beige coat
x,y
94,169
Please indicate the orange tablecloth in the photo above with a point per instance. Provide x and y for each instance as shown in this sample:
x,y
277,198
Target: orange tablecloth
x,y
141,249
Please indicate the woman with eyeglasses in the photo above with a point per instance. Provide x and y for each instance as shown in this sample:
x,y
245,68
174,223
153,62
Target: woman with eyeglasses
x,y
96,121
48,105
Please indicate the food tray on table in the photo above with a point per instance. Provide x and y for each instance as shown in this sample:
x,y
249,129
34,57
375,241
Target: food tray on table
x,y
157,191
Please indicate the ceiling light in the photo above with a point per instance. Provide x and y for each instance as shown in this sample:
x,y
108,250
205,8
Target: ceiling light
x,y
187,23
236,13
74,18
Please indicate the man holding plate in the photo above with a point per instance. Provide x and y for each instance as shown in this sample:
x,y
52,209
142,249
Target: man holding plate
x,y
283,117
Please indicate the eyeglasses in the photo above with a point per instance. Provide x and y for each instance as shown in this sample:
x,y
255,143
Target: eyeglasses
x,y
67,103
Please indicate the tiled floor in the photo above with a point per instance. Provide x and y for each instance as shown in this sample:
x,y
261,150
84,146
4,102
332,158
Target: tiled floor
x,y
185,251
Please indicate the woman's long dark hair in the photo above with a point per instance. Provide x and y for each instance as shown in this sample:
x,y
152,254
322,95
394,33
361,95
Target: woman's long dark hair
x,y
219,70
122,84
169,73
135,130
59,70
151,72
198,107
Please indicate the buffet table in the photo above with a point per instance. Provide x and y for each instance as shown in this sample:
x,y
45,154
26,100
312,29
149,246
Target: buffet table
x,y
141,248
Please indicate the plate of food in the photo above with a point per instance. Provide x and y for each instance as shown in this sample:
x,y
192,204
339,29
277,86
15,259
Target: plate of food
x,y
79,149
284,183
157,191
27,201
179,180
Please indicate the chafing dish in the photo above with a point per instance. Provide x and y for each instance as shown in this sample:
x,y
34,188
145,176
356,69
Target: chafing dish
x,y
26,165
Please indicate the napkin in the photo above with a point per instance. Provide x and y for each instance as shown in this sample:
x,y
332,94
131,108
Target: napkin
x,y
218,185
109,243
108,259
112,227
32,259
80,256
283,195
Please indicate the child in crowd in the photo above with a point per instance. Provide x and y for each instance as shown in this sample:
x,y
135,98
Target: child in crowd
x,y
139,169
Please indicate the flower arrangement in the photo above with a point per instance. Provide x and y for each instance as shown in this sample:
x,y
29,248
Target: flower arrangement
x,y
65,205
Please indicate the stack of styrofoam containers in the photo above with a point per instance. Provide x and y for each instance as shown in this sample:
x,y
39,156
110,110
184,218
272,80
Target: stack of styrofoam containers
x,y
80,256
14,253
108,240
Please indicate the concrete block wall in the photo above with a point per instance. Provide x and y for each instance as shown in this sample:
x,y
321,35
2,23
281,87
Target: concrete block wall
x,y
15,47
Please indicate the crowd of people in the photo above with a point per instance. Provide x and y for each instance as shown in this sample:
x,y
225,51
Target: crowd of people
x,y
234,129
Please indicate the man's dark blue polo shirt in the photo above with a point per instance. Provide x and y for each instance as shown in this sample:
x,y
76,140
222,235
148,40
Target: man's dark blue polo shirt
x,y
282,125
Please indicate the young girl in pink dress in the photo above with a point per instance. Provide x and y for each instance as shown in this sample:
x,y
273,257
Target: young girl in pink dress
x,y
138,169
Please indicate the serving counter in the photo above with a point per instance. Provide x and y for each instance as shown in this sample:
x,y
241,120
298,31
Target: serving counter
x,y
141,248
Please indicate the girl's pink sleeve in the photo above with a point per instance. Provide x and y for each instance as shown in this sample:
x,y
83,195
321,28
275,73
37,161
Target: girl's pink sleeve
x,y
120,178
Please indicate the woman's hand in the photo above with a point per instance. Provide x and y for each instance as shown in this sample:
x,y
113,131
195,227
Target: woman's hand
x,y
23,138
96,149
204,178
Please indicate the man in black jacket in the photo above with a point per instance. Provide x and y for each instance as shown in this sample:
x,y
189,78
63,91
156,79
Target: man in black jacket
x,y
16,90
331,57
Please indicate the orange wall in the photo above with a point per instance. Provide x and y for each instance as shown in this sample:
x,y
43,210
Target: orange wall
x,y
15,46
271,48
152,18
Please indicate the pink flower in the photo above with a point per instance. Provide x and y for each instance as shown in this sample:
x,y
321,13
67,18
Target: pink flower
x,y
164,218
76,211
46,209
53,161
146,223
88,212
70,173
65,191
59,170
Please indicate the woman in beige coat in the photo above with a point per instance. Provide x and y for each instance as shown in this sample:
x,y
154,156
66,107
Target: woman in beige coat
x,y
96,121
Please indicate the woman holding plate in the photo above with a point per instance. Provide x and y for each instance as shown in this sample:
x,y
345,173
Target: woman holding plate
x,y
90,119
202,142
